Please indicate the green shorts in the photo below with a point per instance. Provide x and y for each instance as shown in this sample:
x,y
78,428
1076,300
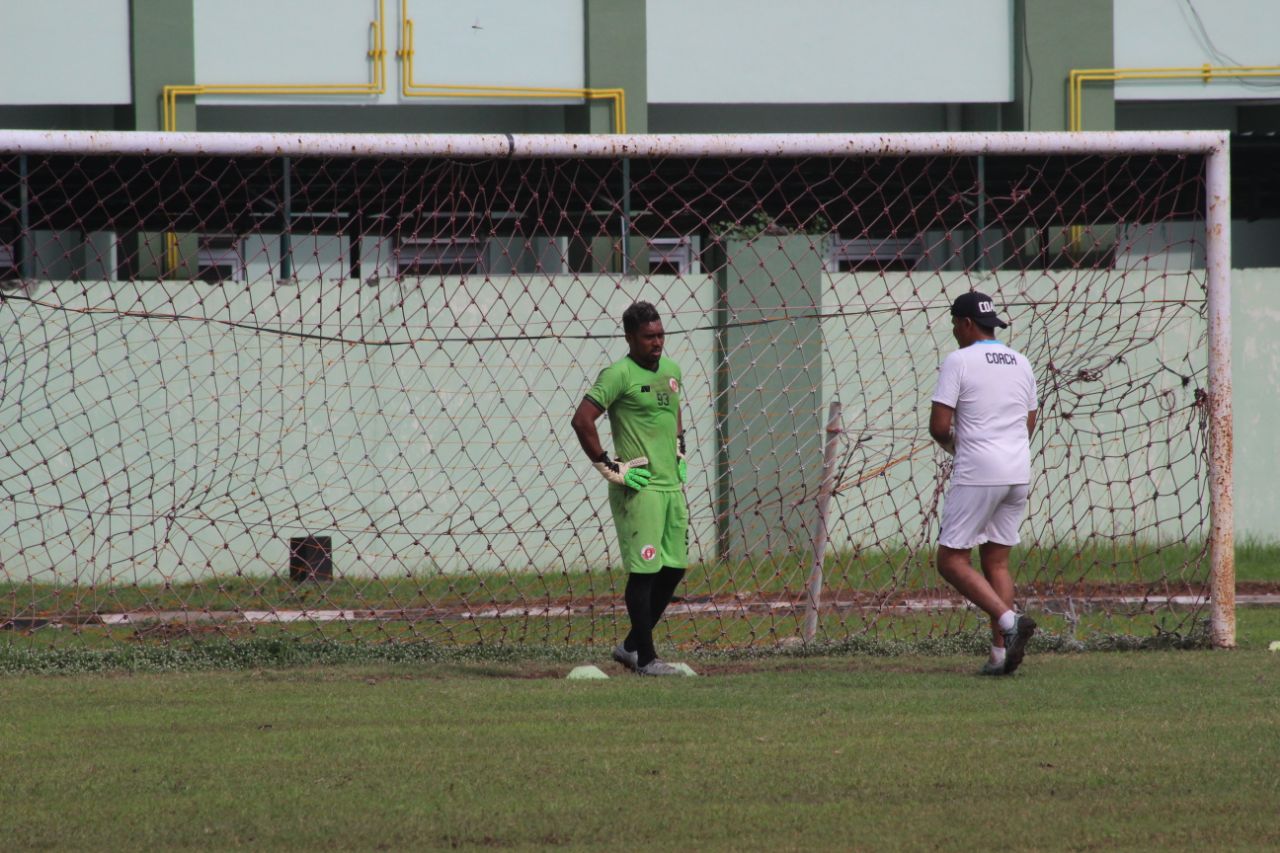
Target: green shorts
x,y
653,528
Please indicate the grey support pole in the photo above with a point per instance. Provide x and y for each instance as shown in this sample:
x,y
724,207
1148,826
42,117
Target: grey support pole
x,y
286,244
626,215
24,242
814,598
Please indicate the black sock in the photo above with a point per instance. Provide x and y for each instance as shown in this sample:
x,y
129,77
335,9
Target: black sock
x,y
664,588
639,597
658,589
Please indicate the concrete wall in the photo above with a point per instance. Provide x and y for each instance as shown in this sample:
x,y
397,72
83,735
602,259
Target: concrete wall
x,y
64,52
181,448
1117,452
1255,377
424,423
815,51
478,43
859,58
1174,33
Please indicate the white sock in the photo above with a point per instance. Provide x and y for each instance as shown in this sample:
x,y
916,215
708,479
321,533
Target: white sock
x,y
1007,620
997,654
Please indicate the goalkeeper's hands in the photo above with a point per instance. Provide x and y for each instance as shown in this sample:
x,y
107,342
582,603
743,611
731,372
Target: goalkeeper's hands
x,y
629,473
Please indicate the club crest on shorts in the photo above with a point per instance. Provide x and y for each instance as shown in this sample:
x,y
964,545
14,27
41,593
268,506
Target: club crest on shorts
x,y
648,552
675,386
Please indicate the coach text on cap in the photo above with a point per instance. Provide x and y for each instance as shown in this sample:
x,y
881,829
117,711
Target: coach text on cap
x,y
978,307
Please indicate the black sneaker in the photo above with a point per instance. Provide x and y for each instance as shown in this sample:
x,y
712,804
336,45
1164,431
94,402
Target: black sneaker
x,y
990,667
1015,643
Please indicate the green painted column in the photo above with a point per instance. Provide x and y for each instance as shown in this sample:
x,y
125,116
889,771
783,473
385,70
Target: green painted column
x,y
616,58
768,394
1051,38
163,52
615,48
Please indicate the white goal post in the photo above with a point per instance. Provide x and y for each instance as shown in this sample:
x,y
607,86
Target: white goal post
x,y
540,247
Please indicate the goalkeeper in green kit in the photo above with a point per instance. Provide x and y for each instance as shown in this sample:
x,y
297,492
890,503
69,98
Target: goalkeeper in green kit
x,y
641,393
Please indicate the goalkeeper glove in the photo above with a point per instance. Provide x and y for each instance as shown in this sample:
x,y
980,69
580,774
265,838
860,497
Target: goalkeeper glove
x,y
624,473
682,467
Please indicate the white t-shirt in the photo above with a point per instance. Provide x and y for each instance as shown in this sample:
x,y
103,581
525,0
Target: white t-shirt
x,y
992,389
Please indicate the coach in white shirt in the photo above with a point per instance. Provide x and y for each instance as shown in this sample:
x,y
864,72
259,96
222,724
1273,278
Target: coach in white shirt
x,y
983,412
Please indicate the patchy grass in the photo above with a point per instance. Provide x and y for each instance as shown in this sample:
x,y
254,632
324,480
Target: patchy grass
x,y
802,750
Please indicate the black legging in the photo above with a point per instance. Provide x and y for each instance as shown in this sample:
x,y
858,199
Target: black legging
x,y
647,597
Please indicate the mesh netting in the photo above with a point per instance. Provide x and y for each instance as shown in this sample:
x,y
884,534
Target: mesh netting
x,y
329,396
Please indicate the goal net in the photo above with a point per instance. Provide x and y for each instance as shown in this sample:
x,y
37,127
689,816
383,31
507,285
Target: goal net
x,y
320,386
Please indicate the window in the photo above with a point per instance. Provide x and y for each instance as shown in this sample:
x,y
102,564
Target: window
x,y
8,257
862,253
1069,248
432,256
670,256
219,258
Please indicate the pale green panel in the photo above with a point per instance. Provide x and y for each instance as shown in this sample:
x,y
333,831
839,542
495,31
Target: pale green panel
x,y
520,254
456,450
65,52
910,51
300,43
885,337
577,325
182,430
117,427
282,43
1120,358
1160,34
1255,374
56,254
175,431
499,42
314,256
1119,451
691,342
773,420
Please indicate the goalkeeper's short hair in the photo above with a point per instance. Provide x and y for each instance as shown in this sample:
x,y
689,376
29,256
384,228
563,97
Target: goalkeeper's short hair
x,y
637,315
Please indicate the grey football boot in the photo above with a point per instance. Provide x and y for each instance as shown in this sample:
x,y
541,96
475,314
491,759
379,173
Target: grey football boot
x,y
1015,643
626,658
657,667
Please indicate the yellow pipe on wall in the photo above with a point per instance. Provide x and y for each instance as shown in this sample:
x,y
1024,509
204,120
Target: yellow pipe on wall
x,y
1206,73
411,89
377,86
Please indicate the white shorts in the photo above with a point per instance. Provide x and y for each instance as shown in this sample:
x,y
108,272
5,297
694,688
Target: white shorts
x,y
972,515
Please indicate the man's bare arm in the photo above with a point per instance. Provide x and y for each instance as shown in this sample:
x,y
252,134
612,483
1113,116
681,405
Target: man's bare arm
x,y
584,424
940,422
631,473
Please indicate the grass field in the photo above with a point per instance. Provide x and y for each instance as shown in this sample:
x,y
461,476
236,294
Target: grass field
x,y
1145,750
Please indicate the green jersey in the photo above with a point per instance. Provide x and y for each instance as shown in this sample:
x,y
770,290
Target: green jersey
x,y
643,407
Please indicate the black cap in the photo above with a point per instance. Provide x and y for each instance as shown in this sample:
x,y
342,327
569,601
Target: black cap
x,y
977,307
